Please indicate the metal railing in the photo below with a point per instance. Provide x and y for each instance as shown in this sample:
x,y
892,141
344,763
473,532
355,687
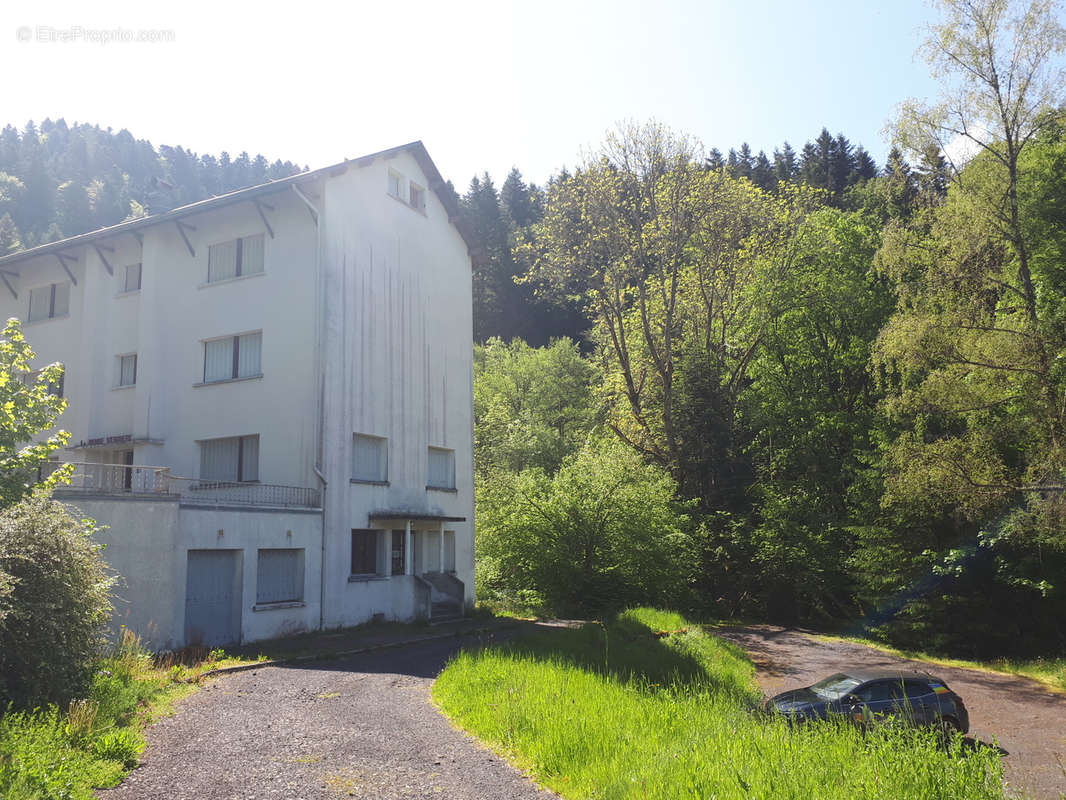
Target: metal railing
x,y
137,479
227,493
111,478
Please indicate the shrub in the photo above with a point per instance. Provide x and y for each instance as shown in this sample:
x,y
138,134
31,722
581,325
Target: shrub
x,y
51,621
603,532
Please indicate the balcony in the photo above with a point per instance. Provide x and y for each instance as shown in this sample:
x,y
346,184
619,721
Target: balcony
x,y
146,481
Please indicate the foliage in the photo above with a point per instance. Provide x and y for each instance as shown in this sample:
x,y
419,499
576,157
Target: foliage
x,y
615,711
811,404
59,599
972,355
667,256
49,754
532,406
603,531
27,408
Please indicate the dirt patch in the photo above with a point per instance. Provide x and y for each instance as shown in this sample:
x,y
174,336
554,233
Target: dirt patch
x,y
1020,715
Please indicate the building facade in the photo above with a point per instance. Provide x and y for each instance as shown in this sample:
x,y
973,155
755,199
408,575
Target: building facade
x,y
270,401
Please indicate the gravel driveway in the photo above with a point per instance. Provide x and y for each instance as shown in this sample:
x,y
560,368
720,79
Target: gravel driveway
x,y
356,727
1026,720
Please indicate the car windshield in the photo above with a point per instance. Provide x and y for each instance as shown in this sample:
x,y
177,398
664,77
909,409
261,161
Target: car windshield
x,y
835,686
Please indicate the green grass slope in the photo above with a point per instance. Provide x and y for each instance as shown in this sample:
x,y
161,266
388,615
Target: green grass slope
x,y
649,706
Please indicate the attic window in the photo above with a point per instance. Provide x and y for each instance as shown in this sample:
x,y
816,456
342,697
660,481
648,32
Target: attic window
x,y
418,197
395,182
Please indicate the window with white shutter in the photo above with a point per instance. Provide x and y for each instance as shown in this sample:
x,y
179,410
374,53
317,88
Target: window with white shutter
x,y
60,299
251,260
48,302
280,576
127,370
417,197
233,357
132,282
232,459
235,258
441,473
222,261
370,458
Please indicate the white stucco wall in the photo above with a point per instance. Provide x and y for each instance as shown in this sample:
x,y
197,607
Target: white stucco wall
x,y
141,545
399,364
146,543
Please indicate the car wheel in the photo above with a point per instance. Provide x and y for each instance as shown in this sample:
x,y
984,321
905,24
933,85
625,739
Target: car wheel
x,y
948,727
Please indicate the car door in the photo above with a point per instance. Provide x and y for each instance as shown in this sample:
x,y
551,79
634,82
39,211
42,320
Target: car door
x,y
878,700
923,703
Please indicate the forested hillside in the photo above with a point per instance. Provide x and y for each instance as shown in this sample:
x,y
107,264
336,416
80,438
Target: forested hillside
x,y
813,388
59,180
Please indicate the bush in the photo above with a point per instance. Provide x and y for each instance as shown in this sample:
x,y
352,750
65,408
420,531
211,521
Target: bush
x,y
52,617
603,532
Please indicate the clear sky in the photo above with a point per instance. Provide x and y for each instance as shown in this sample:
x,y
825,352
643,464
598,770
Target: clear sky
x,y
486,85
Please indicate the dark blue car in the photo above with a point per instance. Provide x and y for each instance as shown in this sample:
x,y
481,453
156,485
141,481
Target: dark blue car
x,y
866,696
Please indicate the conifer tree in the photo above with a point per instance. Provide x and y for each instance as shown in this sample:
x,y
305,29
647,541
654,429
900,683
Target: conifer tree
x,y
785,165
9,236
516,199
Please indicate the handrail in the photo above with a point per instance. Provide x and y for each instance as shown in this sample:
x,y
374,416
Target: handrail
x,y
138,479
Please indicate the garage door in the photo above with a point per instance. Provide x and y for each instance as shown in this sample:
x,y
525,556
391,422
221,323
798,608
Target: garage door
x,y
213,597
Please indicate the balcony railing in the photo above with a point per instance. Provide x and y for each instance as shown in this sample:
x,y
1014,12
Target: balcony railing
x,y
122,479
245,494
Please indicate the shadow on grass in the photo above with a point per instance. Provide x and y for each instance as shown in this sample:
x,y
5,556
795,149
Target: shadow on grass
x,y
629,652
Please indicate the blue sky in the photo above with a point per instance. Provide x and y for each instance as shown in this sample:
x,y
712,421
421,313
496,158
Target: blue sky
x,y
486,85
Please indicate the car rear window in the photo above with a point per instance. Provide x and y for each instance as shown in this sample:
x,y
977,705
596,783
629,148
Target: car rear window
x,y
916,689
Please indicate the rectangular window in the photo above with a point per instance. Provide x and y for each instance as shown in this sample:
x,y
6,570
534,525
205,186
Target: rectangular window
x,y
54,389
48,302
370,458
280,576
127,370
441,474
364,552
394,184
233,357
133,278
235,459
235,258
399,551
417,197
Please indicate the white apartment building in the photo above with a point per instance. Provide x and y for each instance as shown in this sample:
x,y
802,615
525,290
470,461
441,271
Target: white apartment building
x,y
270,401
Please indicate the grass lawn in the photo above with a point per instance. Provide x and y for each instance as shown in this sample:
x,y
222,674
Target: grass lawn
x,y
1051,672
63,754
651,706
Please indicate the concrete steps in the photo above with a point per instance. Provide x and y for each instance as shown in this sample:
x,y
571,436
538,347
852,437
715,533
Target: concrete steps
x,y
441,613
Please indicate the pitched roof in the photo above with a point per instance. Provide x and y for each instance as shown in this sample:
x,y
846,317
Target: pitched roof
x,y
416,149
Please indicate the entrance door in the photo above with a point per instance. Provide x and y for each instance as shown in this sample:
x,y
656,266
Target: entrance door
x,y
399,552
213,597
